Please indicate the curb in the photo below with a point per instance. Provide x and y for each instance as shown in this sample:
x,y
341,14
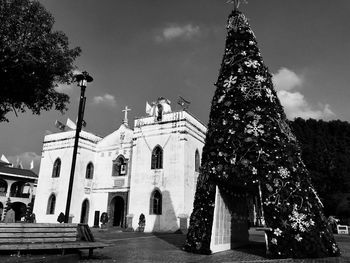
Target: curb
x,y
69,258
291,260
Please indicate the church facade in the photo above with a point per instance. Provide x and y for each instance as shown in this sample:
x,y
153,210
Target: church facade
x,y
150,169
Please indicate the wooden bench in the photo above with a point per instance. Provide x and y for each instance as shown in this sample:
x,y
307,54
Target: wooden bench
x,y
27,236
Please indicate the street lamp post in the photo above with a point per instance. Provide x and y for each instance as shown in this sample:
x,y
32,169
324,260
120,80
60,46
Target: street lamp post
x,y
82,80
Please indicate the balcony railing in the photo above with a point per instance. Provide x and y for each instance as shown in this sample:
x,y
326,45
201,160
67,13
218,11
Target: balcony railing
x,y
20,195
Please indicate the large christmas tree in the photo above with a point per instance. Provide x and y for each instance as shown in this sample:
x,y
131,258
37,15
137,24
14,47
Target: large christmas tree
x,y
249,143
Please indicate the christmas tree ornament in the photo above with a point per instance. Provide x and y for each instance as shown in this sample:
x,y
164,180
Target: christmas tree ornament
x,y
236,3
250,150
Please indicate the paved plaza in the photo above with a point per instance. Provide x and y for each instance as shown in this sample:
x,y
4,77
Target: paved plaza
x,y
166,247
142,247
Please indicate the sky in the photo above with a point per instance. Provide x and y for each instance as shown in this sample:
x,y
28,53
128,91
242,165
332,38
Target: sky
x,y
140,50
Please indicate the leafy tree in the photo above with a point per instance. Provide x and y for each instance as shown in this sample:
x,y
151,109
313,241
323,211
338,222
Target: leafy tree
x,y
33,59
326,153
8,206
249,141
29,212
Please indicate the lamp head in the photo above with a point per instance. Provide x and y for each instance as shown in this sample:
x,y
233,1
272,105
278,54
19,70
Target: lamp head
x,y
83,78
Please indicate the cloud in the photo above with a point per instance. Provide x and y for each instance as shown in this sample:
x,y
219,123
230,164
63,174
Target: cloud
x,y
63,88
286,79
25,159
106,99
172,32
294,102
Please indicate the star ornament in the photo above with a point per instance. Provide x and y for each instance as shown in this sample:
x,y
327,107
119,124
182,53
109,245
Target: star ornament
x,y
236,3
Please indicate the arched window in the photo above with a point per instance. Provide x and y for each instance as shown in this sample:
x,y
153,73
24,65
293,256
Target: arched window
x,y
157,158
3,187
156,203
196,161
119,167
89,171
51,205
16,190
56,168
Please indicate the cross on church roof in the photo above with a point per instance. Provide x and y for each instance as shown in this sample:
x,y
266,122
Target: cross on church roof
x,y
125,121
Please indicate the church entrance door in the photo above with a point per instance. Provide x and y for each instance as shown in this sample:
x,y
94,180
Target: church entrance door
x,y
84,212
118,215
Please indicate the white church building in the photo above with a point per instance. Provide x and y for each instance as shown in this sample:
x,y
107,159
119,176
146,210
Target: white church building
x,y
150,169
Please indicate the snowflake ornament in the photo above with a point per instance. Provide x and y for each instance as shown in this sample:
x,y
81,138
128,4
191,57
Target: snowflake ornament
x,y
230,81
299,221
277,232
260,78
252,63
255,128
283,172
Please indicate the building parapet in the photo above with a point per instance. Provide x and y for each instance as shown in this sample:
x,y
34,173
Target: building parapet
x,y
168,118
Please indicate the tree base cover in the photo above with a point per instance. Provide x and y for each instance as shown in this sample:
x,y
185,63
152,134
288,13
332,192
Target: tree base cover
x,y
201,221
248,143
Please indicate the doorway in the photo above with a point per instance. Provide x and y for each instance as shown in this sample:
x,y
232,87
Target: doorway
x,y
20,210
118,213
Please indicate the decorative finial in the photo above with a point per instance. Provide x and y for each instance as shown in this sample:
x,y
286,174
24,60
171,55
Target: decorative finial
x,y
183,103
236,3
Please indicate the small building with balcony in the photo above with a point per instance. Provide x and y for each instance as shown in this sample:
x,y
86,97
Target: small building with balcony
x,y
19,185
